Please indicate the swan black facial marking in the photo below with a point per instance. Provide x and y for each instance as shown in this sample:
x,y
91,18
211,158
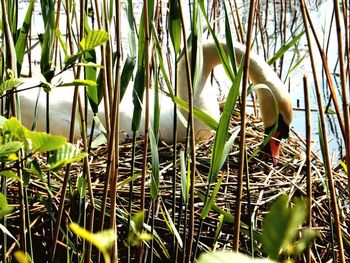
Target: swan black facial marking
x,y
283,128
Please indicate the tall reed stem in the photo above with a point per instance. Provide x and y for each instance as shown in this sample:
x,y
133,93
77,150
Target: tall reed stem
x,y
71,139
242,145
327,161
329,79
344,89
308,161
145,141
115,131
191,141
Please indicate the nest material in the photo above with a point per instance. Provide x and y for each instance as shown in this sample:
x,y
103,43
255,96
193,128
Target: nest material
x,y
266,183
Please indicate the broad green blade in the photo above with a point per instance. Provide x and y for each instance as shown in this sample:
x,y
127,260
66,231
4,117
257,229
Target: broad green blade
x,y
22,38
174,25
126,74
284,48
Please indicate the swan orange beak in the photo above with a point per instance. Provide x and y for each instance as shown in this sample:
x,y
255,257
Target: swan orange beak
x,y
275,148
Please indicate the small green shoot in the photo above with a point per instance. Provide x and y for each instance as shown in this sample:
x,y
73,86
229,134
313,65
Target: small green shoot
x,y
281,227
5,209
137,234
102,240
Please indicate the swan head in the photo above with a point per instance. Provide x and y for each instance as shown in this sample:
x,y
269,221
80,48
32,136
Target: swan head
x,y
281,114
272,148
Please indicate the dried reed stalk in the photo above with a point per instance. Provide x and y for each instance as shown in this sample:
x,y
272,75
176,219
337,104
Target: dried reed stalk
x,y
242,144
327,161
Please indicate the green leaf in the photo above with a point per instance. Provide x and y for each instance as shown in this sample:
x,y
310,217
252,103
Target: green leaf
x,y
8,151
93,39
43,142
211,200
48,15
230,50
139,84
4,208
102,240
155,165
295,66
128,180
10,84
70,59
281,224
137,235
198,114
220,49
35,169
197,49
138,220
13,127
93,91
10,174
139,87
22,38
22,257
307,236
159,241
284,48
89,64
155,123
219,228
126,74
217,157
272,132
78,82
68,153
60,39
81,186
169,222
174,25
344,166
131,31
184,183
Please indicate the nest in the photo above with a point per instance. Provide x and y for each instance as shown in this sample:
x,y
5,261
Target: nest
x,y
266,183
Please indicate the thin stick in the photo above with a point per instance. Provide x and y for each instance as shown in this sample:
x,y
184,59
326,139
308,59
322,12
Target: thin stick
x,y
240,26
308,161
327,161
243,130
344,90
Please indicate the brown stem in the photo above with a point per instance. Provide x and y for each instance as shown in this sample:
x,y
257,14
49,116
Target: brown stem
x,y
243,130
327,161
308,161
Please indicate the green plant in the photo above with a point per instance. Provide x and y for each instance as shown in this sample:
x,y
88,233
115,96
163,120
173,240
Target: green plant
x,y
282,236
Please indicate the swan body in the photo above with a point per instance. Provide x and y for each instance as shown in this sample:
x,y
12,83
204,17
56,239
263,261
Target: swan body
x,y
205,99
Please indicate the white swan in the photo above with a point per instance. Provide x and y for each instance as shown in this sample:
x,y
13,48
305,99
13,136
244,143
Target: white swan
x,y
205,99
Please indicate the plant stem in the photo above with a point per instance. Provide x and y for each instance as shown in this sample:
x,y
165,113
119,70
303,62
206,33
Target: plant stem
x,y
308,161
327,161
243,130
